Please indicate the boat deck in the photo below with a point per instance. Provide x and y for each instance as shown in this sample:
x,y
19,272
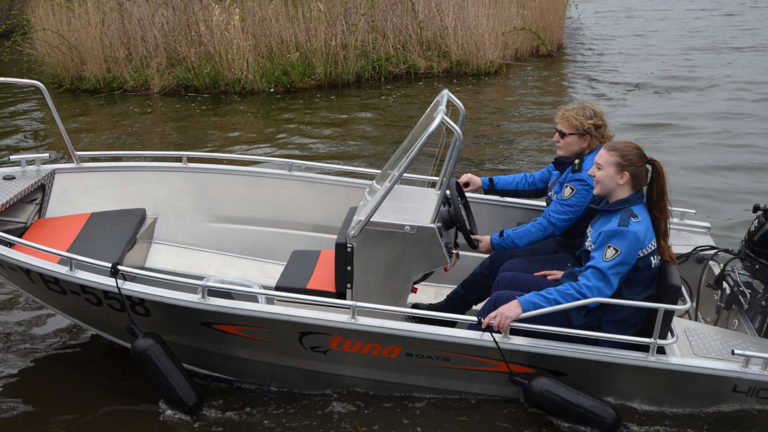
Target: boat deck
x,y
710,342
207,263
187,260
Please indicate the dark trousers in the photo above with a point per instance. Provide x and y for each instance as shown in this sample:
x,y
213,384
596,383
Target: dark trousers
x,y
477,287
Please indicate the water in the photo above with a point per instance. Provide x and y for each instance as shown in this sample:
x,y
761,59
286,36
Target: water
x,y
684,79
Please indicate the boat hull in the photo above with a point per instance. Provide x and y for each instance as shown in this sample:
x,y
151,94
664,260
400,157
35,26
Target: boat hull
x,y
286,346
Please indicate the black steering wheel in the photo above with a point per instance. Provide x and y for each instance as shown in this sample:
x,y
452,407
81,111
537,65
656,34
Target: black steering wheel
x,y
461,214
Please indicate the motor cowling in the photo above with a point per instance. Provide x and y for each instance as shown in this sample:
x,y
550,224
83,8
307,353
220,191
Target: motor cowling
x,y
754,247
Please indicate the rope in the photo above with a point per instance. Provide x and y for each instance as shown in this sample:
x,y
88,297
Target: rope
x,y
513,377
132,328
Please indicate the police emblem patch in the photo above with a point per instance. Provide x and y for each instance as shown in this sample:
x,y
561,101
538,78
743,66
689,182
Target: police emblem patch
x,y
568,191
611,252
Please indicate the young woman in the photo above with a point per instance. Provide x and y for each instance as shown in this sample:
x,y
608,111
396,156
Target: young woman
x,y
552,240
621,254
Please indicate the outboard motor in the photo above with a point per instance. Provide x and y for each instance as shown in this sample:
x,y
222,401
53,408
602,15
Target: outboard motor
x,y
754,247
742,282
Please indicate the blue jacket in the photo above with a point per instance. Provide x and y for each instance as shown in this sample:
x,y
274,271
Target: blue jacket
x,y
620,260
568,191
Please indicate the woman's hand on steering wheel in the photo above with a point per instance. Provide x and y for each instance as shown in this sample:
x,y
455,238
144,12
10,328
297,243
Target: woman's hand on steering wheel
x,y
470,182
461,213
483,244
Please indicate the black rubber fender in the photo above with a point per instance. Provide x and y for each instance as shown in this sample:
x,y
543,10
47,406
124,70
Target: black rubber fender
x,y
567,403
157,362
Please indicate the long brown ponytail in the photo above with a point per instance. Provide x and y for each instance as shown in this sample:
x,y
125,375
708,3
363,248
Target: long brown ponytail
x,y
631,158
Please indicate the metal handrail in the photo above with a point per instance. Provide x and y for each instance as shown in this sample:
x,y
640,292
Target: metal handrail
x,y
55,113
452,156
749,355
457,143
354,307
185,156
291,164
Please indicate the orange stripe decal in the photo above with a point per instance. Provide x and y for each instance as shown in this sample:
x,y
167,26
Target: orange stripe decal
x,y
496,366
323,277
56,233
239,331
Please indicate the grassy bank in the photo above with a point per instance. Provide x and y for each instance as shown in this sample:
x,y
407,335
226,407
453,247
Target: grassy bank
x,y
260,45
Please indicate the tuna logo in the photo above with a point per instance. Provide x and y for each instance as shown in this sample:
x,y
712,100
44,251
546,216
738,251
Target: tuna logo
x,y
324,343
611,252
568,191
306,342
339,344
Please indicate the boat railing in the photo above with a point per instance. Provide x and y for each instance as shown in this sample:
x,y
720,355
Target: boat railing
x,y
185,158
291,165
203,286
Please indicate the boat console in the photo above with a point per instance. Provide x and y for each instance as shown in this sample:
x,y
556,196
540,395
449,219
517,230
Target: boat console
x,y
397,233
401,229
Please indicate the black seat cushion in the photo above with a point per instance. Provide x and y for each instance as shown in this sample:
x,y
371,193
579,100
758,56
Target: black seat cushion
x,y
310,272
321,273
105,236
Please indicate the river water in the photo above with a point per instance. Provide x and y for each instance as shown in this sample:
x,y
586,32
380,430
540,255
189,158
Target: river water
x,y
685,79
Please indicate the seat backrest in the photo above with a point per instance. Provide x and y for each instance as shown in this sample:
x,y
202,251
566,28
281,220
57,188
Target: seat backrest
x,y
343,256
667,292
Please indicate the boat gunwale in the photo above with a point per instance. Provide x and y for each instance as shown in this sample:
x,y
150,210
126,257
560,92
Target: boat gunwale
x,y
678,221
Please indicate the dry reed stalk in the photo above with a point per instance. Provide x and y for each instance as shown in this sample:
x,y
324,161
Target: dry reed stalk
x,y
256,45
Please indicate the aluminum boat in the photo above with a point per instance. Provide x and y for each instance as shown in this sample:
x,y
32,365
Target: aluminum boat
x,y
299,275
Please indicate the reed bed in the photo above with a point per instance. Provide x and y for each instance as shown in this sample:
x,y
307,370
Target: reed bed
x,y
263,45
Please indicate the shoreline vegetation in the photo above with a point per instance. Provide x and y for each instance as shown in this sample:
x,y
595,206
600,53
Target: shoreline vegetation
x,y
249,46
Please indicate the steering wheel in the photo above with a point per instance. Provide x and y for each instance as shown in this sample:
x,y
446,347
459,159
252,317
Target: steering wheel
x,y
461,214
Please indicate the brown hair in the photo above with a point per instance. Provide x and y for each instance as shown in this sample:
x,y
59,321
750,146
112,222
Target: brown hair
x,y
587,119
631,158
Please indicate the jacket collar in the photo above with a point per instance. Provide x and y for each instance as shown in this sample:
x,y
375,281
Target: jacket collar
x,y
562,163
603,205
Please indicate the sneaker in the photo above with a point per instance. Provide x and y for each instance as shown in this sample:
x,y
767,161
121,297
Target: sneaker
x,y
432,307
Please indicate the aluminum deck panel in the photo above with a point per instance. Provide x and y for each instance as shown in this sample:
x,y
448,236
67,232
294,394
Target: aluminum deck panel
x,y
26,180
716,343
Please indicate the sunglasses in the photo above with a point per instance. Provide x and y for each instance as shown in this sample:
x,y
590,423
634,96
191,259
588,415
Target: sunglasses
x,y
564,135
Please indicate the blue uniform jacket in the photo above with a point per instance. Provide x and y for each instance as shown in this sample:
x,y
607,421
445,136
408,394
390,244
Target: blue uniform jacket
x,y
620,260
568,191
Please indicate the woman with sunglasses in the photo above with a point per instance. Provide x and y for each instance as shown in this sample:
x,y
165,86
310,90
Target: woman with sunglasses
x,y
624,246
550,241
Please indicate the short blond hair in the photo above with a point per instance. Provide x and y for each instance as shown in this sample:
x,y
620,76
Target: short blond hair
x,y
586,119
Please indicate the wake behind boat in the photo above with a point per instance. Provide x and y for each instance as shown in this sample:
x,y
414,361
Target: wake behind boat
x,y
299,275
